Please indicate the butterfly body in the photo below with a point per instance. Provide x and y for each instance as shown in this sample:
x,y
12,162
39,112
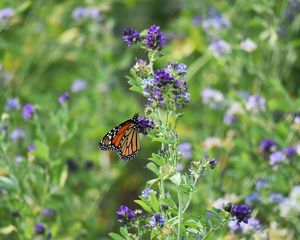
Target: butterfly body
x,y
123,139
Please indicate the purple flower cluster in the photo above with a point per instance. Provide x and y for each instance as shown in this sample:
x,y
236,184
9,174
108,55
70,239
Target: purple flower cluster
x,y
78,85
256,104
125,214
212,163
81,13
141,68
145,124
261,183
6,13
12,104
241,212
147,192
292,9
185,149
63,97
215,21
276,158
270,150
39,228
276,197
157,220
154,40
167,86
267,146
290,152
252,199
219,47
31,147
28,111
17,134
131,36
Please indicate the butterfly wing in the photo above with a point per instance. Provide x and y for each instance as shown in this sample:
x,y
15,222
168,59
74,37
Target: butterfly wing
x,y
130,144
123,139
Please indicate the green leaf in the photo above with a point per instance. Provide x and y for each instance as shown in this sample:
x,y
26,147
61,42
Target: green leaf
x,y
157,159
115,236
9,184
176,179
153,201
136,89
152,167
63,177
41,150
163,140
124,231
144,206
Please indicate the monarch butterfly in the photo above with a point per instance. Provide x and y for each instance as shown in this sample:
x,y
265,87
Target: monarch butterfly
x,y
124,139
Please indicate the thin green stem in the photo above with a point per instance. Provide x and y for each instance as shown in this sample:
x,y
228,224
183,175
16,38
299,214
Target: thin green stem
x,y
179,212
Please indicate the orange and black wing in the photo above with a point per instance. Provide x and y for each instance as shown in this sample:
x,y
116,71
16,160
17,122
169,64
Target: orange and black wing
x,y
130,144
123,139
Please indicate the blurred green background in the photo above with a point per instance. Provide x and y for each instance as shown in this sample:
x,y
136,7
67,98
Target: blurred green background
x,y
46,45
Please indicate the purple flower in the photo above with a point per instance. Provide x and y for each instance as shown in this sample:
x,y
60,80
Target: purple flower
x,y
125,215
49,212
297,119
213,163
17,134
63,98
28,111
276,197
131,36
229,118
213,98
141,68
3,128
276,157
39,228
18,159
240,212
147,192
178,69
157,220
256,104
167,86
252,199
78,85
145,124
267,146
80,13
219,47
292,9
215,21
155,39
12,104
234,226
252,226
261,183
163,78
185,149
290,152
6,13
93,13
31,147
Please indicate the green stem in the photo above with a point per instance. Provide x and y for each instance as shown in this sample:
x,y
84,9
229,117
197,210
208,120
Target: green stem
x,y
179,212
